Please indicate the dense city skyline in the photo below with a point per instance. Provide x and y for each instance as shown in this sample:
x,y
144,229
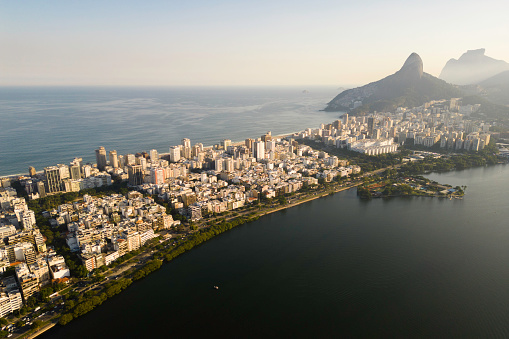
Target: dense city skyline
x,y
229,43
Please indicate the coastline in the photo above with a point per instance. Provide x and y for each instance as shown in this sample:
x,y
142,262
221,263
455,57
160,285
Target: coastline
x,y
234,143
320,195
129,263
287,220
147,253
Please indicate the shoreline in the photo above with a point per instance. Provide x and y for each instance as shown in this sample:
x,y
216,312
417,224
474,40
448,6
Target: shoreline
x,y
282,218
235,143
269,208
318,195
262,213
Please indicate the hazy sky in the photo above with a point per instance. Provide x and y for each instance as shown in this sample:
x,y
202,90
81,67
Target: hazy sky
x,y
190,42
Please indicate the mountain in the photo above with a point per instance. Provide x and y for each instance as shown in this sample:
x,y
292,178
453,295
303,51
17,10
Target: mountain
x,y
496,88
408,87
500,79
472,67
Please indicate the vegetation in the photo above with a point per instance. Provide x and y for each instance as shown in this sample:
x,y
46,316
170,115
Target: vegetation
x,y
151,266
36,324
203,235
403,90
367,163
456,161
488,108
396,184
78,304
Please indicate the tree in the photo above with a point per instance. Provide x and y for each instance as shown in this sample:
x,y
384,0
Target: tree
x,y
36,324
282,200
80,271
69,305
65,319
45,293
98,278
32,301
3,321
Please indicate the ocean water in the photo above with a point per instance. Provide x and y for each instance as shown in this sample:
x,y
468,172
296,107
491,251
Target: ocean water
x,y
43,126
335,267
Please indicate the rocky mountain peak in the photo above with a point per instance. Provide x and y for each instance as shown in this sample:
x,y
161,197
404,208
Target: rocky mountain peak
x,y
408,87
413,65
474,53
472,67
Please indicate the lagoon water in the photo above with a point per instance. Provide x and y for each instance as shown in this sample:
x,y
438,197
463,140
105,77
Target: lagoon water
x,y
43,126
334,267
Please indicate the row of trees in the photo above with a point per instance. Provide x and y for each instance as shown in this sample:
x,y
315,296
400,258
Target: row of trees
x,y
88,302
201,236
150,267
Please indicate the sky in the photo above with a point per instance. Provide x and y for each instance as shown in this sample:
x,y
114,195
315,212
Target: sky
x,y
238,43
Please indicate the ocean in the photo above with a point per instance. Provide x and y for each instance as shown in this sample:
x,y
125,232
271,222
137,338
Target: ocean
x,y
44,126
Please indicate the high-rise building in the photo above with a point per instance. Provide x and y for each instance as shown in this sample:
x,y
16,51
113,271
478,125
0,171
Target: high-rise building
x,y
142,163
100,155
133,240
55,175
174,153
113,159
194,212
27,219
129,159
196,150
371,125
185,152
259,150
249,143
218,164
154,156
10,302
186,142
225,143
157,175
267,137
78,161
376,133
75,171
41,189
135,173
270,145
29,285
228,165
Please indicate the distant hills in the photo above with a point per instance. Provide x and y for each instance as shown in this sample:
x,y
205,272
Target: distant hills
x,y
480,75
408,87
496,88
472,67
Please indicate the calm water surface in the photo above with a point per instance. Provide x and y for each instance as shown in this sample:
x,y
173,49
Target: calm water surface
x,y
334,267
43,126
